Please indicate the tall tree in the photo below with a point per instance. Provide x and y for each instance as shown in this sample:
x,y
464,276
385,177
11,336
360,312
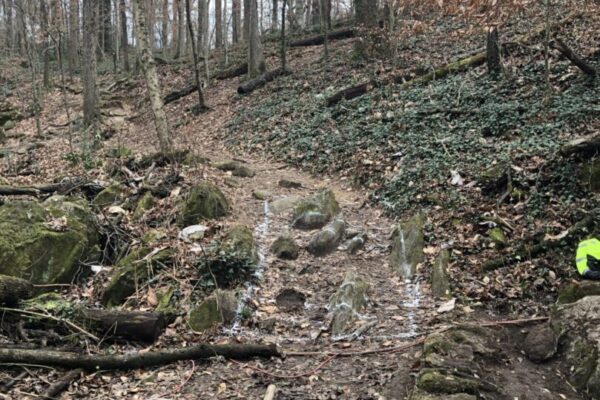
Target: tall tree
x,y
202,27
124,39
366,19
274,18
88,63
180,28
164,31
201,104
8,11
107,28
246,27
256,59
151,19
236,20
218,24
149,67
73,35
45,26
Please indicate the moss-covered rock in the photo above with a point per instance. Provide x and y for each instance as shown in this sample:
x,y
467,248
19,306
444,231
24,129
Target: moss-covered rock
x,y
285,247
45,242
204,201
154,236
219,308
316,211
231,182
579,290
407,246
284,204
236,168
421,395
437,381
109,196
347,302
327,240
233,261
131,271
260,195
498,237
440,284
145,203
494,178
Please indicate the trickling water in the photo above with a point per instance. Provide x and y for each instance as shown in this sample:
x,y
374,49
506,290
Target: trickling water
x,y
412,303
404,264
260,234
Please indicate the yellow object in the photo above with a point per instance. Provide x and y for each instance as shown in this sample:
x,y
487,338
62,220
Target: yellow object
x,y
590,247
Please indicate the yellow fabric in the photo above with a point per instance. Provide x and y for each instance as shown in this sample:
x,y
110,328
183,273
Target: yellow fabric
x,y
590,247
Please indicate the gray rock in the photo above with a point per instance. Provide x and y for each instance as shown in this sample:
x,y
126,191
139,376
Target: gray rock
x,y
288,184
316,211
356,243
285,247
541,343
290,300
440,285
284,204
327,240
204,201
219,308
407,246
347,303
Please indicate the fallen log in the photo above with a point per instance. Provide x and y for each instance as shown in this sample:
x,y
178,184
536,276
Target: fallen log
x,y
320,39
237,70
561,46
142,326
456,66
253,84
61,188
134,360
12,290
587,146
178,94
63,383
532,250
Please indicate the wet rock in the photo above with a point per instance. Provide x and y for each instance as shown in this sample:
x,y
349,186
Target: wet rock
x,y
316,211
285,247
441,382
231,182
145,203
285,183
284,204
579,290
219,308
541,343
407,246
260,195
45,242
111,195
356,242
233,261
290,300
327,240
204,201
132,271
498,237
440,285
347,303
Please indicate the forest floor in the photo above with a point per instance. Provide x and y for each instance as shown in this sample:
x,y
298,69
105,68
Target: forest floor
x,y
399,312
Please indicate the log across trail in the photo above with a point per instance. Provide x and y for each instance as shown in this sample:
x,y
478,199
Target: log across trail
x,y
316,40
464,64
253,84
136,360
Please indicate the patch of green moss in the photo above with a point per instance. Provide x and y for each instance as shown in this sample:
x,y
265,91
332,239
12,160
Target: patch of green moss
x,y
145,203
435,381
204,201
577,291
111,195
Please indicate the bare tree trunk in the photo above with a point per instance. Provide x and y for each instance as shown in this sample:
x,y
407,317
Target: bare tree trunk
x,y
218,24
246,30
45,26
283,48
236,20
175,27
201,104
299,12
206,35
366,18
256,60
124,39
180,28
106,26
149,67
73,35
164,31
324,5
151,19
90,92
8,11
494,63
274,18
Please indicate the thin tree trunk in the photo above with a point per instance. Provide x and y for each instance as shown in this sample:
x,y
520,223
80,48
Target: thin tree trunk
x,y
201,26
201,104
73,35
124,39
324,5
45,26
283,48
218,24
237,20
274,17
149,67
246,30
206,38
90,92
494,62
8,10
150,18
164,32
180,29
256,60
175,27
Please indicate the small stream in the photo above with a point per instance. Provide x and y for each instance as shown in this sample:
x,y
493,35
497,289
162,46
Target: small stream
x,y
260,235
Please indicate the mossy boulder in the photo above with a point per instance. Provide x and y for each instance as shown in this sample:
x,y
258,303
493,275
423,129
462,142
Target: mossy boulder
x,y
579,290
347,303
493,178
8,113
231,182
285,247
236,168
111,195
132,271
233,261
284,204
316,211
204,201
407,246
440,382
327,240
46,242
260,195
498,237
145,203
219,308
440,284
